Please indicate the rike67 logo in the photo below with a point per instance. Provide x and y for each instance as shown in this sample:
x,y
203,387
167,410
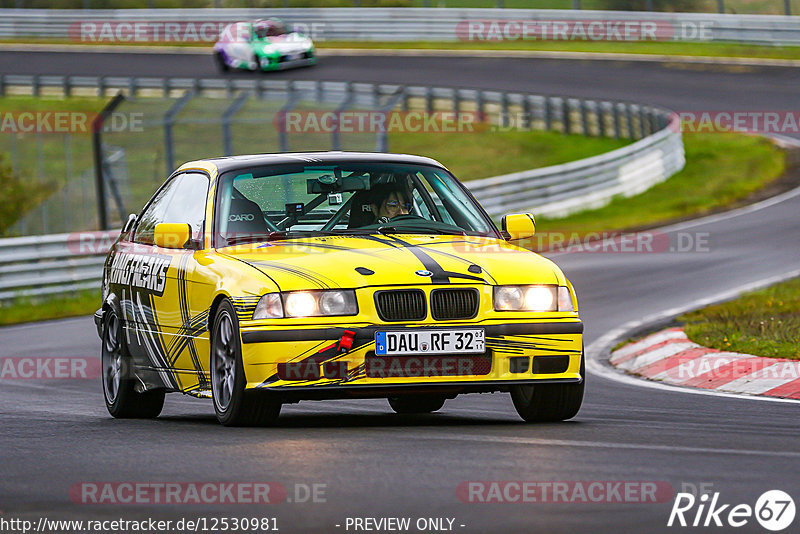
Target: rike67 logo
x,y
774,510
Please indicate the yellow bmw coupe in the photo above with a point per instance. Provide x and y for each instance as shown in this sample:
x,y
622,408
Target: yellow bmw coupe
x,y
270,279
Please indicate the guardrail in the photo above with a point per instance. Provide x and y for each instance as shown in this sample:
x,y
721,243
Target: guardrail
x,y
40,265
48,264
386,24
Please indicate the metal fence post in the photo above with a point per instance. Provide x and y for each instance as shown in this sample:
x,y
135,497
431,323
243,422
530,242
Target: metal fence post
x,y
2,85
527,113
36,85
67,86
547,111
97,148
787,6
642,122
617,126
565,116
227,115
382,141
629,117
376,95
428,99
721,6
169,121
336,141
599,111
584,118
292,97
480,103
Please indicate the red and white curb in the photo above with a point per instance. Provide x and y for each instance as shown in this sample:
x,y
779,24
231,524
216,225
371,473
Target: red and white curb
x,y
669,356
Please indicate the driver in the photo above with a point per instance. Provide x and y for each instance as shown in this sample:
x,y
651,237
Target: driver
x,y
390,201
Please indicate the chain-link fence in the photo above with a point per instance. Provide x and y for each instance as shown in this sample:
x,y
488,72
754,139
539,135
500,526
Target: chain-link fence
x,y
147,137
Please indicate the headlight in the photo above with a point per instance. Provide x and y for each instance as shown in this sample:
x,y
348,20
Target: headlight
x,y
306,304
269,307
532,298
564,299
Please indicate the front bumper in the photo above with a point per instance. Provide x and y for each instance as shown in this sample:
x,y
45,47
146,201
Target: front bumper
x,y
277,64
315,359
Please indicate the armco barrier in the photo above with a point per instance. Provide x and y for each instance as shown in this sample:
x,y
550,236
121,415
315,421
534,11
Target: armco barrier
x,y
49,264
404,24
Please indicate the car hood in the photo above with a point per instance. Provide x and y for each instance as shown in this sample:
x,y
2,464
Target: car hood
x,y
382,260
284,44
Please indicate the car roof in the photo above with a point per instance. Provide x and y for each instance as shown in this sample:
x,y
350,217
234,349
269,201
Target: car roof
x,y
229,163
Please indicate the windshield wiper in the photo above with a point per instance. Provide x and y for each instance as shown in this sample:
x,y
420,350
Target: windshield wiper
x,y
400,229
275,236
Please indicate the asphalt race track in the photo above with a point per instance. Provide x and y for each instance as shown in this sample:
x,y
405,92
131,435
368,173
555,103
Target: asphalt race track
x,y
377,464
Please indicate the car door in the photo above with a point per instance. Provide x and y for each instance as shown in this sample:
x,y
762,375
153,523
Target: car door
x,y
164,323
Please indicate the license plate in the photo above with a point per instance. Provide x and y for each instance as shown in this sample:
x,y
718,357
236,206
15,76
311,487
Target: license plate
x,y
423,341
293,57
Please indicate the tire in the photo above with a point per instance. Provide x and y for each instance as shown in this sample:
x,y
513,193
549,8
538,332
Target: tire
x,y
234,405
549,402
416,403
220,61
122,399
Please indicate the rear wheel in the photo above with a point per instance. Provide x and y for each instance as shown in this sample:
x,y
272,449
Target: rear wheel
x,y
233,404
417,403
122,399
549,402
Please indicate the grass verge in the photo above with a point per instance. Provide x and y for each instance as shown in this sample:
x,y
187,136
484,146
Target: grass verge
x,y
24,310
491,153
721,170
762,323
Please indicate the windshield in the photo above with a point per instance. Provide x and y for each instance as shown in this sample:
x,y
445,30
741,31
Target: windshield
x,y
287,201
267,29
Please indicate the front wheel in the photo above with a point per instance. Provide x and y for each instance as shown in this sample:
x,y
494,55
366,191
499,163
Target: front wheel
x,y
219,59
233,404
122,399
549,402
416,403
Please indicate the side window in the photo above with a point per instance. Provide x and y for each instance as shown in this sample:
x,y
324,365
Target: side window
x,y
154,214
188,203
183,200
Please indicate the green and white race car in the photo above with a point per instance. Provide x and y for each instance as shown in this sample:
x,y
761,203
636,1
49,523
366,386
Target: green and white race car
x,y
262,45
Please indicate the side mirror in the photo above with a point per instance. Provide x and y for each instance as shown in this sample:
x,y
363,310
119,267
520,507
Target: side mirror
x,y
173,235
518,226
129,223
